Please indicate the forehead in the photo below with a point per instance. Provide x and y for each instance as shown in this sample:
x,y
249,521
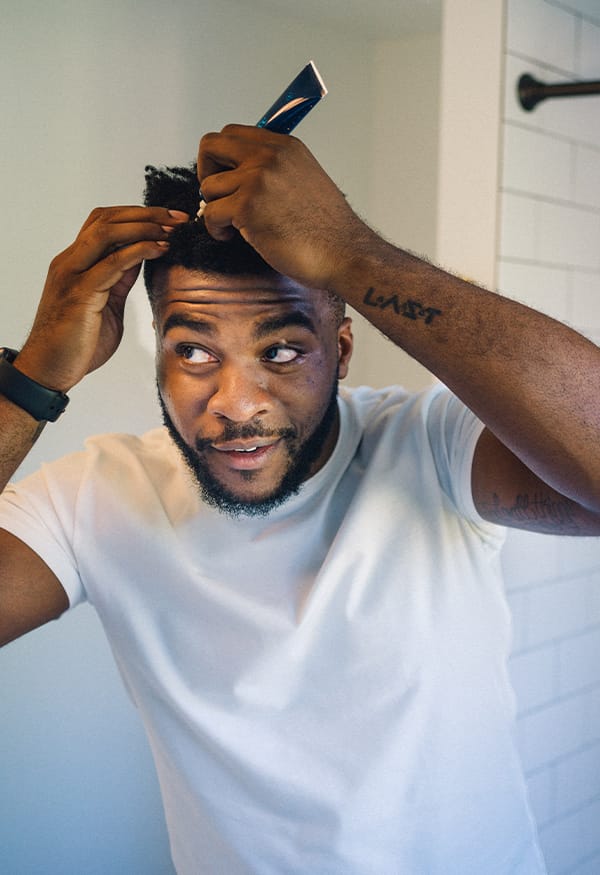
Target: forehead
x,y
237,298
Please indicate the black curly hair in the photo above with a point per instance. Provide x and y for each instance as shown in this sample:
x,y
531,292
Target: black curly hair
x,y
191,246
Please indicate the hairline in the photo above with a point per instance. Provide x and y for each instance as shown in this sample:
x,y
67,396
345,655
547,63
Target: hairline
x,y
161,272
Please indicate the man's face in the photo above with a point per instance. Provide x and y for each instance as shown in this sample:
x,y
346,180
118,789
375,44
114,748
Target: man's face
x,y
247,374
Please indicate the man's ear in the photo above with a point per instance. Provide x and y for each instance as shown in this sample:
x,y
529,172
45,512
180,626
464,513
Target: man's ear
x,y
345,346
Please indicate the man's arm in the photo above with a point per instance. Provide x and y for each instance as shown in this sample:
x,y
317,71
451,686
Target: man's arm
x,y
531,380
30,593
507,492
78,326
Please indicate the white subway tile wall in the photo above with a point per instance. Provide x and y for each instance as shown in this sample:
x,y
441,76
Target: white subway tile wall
x,y
549,258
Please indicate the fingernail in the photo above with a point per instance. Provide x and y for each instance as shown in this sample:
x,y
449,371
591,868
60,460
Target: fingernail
x,y
178,214
164,243
168,229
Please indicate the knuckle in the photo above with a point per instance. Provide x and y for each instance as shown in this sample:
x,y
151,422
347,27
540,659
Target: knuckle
x,y
57,269
294,144
95,232
102,215
56,263
96,214
107,214
207,139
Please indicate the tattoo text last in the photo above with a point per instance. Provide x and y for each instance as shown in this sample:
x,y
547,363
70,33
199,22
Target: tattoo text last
x,y
409,309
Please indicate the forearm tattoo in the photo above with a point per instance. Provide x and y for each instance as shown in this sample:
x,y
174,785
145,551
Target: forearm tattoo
x,y
409,309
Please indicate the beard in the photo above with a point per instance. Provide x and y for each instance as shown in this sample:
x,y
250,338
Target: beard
x,y
301,457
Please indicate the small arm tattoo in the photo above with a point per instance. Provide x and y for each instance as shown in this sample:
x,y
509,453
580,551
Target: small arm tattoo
x,y
409,309
540,513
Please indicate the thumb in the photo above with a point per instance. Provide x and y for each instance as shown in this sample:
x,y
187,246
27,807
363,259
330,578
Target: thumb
x,y
120,290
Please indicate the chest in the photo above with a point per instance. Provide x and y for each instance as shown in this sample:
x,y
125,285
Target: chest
x,y
371,584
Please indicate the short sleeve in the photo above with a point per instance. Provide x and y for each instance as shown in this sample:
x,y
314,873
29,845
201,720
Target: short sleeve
x,y
44,518
453,431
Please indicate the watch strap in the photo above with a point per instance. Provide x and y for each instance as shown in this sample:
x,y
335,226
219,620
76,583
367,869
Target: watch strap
x,y
44,404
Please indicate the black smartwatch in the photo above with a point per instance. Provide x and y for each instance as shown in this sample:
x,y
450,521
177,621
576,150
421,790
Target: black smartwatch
x,y
42,403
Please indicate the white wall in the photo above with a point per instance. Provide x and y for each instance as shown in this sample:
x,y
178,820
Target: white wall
x,y
89,93
470,101
403,175
549,257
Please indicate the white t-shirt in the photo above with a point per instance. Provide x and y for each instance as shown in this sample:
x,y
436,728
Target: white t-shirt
x,y
324,689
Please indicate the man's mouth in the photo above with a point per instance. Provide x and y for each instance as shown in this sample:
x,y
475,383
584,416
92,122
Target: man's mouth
x,y
248,446
246,455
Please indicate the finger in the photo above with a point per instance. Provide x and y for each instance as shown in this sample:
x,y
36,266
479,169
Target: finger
x,y
159,215
227,149
122,288
212,161
102,237
119,292
219,217
220,185
123,263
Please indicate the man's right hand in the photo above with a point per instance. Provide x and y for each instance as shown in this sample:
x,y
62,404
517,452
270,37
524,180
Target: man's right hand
x,y
79,322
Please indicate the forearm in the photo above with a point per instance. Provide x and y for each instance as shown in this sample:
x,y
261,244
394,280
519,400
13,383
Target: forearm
x,y
532,380
18,434
30,593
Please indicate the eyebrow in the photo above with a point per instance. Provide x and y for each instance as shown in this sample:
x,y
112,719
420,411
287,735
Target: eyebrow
x,y
287,320
177,320
263,329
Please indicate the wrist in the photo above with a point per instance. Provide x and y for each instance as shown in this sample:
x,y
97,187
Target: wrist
x,y
363,264
38,361
43,403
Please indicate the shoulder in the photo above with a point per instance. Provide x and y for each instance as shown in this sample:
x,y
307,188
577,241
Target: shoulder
x,y
117,446
426,438
106,458
368,403
151,455
391,425
394,406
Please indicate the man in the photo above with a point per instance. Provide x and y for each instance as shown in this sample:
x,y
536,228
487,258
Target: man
x,y
301,591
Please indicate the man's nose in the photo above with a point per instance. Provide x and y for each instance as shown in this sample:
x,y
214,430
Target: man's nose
x,y
240,393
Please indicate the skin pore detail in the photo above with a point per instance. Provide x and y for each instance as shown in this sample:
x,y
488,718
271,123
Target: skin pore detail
x,y
247,377
409,309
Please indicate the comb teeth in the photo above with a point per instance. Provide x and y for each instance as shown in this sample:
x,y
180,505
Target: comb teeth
x,y
200,212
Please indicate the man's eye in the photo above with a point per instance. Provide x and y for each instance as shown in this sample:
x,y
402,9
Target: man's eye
x,y
195,354
281,355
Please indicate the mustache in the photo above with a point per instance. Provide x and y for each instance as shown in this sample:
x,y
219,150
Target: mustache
x,y
233,431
